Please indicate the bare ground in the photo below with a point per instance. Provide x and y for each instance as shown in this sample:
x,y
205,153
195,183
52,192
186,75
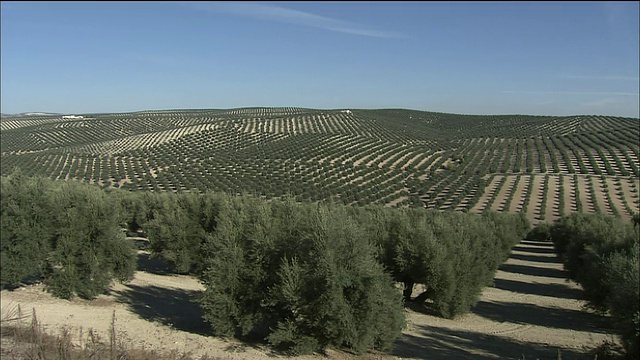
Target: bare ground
x,y
585,194
569,194
503,193
531,312
551,210
618,193
616,199
601,196
533,208
518,197
489,190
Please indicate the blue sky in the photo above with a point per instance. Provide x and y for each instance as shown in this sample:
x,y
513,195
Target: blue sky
x,y
548,58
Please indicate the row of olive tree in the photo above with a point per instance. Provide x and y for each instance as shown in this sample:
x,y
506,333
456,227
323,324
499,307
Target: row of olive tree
x,y
601,253
246,249
303,276
453,254
64,233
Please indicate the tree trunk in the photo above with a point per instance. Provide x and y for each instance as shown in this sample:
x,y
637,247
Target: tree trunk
x,y
408,290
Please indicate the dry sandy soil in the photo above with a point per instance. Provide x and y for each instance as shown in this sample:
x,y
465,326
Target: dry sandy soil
x,y
531,312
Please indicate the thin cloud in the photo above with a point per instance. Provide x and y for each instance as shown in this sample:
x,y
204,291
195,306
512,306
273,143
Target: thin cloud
x,y
570,93
602,77
290,16
548,102
157,59
602,102
621,17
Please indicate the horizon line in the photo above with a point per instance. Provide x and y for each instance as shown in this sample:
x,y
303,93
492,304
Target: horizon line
x,y
50,113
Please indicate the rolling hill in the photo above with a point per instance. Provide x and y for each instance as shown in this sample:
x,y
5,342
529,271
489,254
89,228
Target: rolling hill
x,y
541,165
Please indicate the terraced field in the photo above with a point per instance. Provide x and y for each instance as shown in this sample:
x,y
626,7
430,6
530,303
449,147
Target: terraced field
x,y
543,166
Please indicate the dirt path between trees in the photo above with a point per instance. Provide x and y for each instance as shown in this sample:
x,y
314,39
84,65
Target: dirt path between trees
x,y
531,312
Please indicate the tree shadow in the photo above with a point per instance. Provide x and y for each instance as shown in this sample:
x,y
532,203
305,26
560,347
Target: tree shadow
x,y
534,271
535,258
442,343
172,307
551,317
156,265
180,310
243,345
552,290
545,244
537,250
425,307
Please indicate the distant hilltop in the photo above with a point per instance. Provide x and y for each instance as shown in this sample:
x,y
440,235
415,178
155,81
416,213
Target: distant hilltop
x,y
30,114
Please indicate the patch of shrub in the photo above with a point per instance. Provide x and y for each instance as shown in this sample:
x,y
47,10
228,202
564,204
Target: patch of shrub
x,y
302,276
25,227
453,254
88,247
622,271
588,239
64,232
540,232
476,246
601,254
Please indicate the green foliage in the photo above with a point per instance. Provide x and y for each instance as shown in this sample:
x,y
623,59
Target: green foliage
x,y
71,232
362,156
174,232
476,246
509,229
25,227
303,277
540,232
601,254
89,249
337,290
411,250
453,254
584,241
621,270
133,209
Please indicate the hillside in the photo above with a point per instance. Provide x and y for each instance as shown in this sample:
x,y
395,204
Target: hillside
x,y
392,157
